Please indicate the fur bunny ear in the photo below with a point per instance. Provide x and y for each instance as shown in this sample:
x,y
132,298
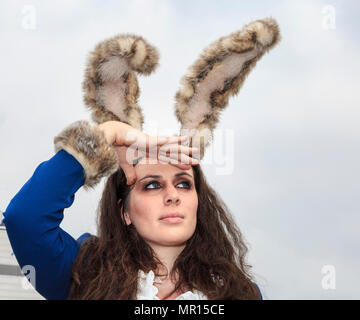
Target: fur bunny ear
x,y
110,86
217,74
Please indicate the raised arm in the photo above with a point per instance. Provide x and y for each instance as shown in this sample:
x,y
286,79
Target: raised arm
x,y
33,216
84,154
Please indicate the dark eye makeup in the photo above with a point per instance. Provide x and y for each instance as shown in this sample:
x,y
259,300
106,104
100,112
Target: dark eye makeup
x,y
154,182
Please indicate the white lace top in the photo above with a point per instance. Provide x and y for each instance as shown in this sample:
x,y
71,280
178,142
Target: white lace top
x,y
147,290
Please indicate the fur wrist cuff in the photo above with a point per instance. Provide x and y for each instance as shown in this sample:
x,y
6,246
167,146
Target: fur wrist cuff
x,y
88,145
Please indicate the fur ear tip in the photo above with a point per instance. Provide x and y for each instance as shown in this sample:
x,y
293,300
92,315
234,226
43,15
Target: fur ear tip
x,y
150,67
272,31
265,31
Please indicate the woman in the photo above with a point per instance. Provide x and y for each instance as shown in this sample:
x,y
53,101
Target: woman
x,y
138,252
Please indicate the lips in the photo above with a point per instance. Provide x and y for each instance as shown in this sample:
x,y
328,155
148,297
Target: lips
x,y
172,215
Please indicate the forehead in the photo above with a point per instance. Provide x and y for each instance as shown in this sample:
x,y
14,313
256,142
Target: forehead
x,y
142,169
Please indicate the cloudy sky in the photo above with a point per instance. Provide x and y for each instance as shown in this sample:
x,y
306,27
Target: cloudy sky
x,y
292,179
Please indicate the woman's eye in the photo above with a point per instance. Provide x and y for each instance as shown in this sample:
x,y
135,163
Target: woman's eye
x,y
152,183
186,183
147,187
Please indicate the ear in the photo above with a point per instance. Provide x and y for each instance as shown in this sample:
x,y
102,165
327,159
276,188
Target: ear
x,y
127,218
110,86
218,73
126,214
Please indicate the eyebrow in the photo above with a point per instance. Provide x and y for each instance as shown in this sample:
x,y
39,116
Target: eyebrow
x,y
157,176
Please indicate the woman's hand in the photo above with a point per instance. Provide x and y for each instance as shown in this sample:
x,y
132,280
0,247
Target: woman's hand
x,y
131,144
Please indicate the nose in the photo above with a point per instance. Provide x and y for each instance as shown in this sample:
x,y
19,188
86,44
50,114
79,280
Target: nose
x,y
172,196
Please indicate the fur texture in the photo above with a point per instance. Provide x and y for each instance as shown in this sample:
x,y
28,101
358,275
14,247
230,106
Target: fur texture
x,y
111,90
89,146
217,74
110,86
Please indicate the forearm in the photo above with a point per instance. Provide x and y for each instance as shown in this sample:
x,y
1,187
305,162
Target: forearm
x,y
32,221
33,216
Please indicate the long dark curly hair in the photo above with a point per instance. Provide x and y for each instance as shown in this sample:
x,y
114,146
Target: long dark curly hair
x,y
213,260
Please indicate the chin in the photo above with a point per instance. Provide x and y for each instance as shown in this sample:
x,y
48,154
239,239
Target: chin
x,y
169,237
172,241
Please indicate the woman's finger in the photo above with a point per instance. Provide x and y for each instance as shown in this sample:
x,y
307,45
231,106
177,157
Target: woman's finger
x,y
182,166
151,145
151,142
126,163
174,149
129,171
173,139
181,159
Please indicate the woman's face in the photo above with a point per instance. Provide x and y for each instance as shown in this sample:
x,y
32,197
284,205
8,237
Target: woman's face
x,y
163,189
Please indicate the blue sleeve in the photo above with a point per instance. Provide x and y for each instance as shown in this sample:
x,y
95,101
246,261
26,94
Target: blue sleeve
x,y
32,221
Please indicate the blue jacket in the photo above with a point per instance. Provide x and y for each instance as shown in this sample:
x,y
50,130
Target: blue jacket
x,y
33,218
